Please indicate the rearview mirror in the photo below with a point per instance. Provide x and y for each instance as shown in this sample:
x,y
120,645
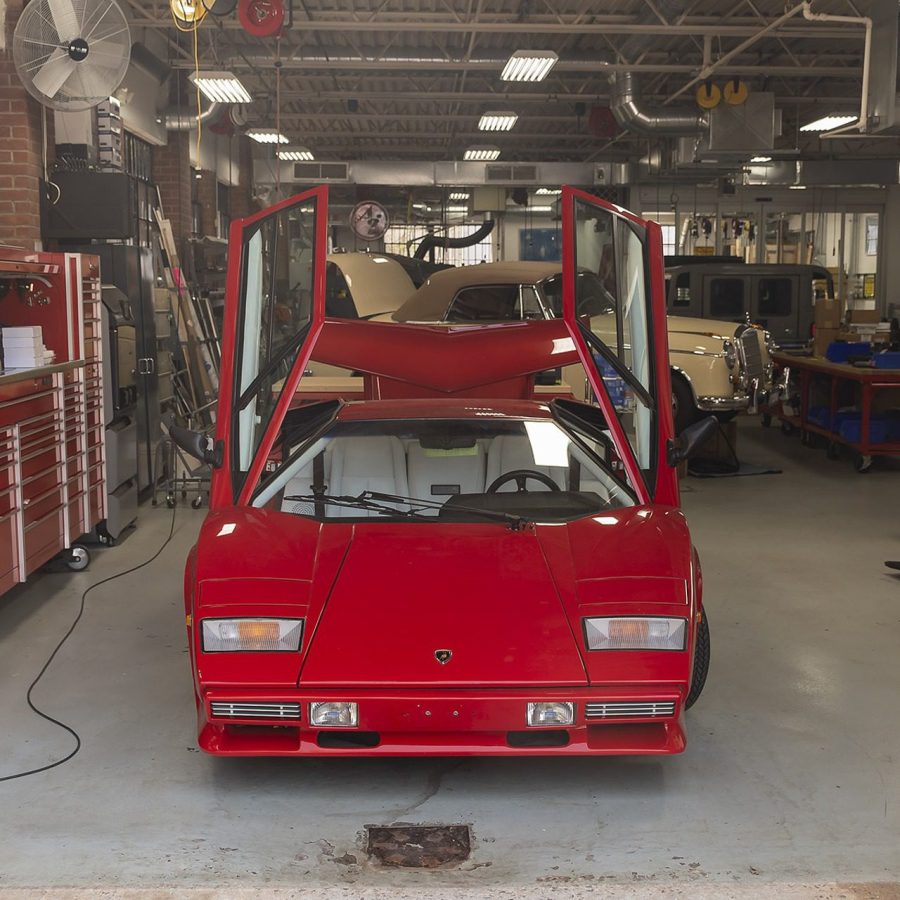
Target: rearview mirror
x,y
198,445
690,440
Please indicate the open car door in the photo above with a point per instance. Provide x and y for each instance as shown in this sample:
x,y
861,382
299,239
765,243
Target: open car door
x,y
275,303
614,309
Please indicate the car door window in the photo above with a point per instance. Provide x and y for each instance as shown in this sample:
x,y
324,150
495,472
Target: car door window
x,y
775,296
529,303
726,298
682,298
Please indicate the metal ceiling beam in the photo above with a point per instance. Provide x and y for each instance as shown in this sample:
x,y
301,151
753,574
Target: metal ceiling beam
x,y
422,22
577,67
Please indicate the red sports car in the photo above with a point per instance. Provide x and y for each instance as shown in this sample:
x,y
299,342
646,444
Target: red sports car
x,y
457,564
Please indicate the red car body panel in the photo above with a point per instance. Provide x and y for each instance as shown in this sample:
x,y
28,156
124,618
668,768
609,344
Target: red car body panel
x,y
379,598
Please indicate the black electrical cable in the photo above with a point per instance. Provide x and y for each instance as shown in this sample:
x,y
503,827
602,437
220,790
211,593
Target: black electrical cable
x,y
58,647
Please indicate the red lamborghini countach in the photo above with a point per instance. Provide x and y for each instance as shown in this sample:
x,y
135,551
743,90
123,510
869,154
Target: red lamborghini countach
x,y
460,563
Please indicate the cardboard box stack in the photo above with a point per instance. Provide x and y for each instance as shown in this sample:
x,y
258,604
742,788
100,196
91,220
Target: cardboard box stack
x,y
828,316
23,348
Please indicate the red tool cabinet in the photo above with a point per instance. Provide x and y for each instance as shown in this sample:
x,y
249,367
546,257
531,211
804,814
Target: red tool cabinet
x,y
52,447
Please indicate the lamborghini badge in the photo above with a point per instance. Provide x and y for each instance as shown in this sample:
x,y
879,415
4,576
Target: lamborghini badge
x,y
443,656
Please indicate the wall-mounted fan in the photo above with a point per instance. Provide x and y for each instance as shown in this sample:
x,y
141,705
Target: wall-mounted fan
x,y
71,54
369,220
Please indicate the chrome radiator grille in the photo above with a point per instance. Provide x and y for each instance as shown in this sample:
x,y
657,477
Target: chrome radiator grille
x,y
242,710
751,355
631,710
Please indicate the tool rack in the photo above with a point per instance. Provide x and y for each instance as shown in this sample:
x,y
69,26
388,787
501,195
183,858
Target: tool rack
x,y
52,438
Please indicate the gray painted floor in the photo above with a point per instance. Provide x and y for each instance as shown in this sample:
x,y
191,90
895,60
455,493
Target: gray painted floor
x,y
791,775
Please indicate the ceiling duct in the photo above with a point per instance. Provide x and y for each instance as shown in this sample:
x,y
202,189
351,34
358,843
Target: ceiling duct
x,y
626,107
186,119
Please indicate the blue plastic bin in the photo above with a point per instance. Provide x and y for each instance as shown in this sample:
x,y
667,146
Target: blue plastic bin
x,y
819,415
887,360
841,351
851,428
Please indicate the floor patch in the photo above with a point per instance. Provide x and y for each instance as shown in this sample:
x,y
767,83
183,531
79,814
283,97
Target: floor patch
x,y
418,846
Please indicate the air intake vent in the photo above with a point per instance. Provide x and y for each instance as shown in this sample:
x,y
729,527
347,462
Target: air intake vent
x,y
515,174
274,711
319,172
635,710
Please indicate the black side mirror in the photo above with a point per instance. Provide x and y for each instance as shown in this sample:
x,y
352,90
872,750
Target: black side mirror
x,y
198,445
690,440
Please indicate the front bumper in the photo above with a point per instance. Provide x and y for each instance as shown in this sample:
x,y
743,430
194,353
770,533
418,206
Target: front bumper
x,y
723,404
446,723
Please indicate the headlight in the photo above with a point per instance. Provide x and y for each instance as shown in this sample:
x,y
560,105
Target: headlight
x,y
635,633
551,712
334,714
730,354
223,635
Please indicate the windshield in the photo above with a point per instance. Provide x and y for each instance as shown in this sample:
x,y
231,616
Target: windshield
x,y
463,469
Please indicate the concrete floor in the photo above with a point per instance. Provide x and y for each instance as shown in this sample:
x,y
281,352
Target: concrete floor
x,y
790,785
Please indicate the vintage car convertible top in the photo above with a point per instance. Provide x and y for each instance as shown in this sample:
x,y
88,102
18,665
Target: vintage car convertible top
x,y
450,566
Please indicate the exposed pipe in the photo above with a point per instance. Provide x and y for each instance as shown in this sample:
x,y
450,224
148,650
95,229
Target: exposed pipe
x,y
863,122
431,241
184,120
625,105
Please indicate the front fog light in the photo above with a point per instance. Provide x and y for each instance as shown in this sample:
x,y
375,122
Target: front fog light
x,y
251,635
333,714
635,633
551,712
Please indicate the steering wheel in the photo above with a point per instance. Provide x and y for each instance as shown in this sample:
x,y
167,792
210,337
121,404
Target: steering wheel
x,y
520,476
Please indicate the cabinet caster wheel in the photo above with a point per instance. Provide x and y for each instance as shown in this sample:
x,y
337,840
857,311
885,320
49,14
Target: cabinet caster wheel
x,y
766,420
862,463
787,428
78,558
197,502
170,501
833,450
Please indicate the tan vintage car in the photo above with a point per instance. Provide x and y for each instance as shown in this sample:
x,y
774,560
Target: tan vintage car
x,y
717,367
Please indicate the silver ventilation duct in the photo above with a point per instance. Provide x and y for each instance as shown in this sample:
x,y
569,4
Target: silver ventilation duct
x,y
185,120
626,107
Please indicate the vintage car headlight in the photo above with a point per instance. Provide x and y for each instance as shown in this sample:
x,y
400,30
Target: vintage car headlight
x,y
730,354
251,634
635,633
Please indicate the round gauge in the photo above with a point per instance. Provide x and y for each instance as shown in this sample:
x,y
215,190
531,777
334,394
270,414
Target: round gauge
x,y
369,220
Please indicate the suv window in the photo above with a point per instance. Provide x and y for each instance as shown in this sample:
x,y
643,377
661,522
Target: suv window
x,y
726,298
775,295
485,303
682,290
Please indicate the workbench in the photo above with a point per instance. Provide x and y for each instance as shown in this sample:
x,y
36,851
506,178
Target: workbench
x,y
866,382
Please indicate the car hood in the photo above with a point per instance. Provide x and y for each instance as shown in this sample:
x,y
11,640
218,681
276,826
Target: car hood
x,y
380,598
710,327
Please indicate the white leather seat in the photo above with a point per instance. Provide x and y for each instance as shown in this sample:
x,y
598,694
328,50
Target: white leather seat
x,y
511,451
438,474
366,464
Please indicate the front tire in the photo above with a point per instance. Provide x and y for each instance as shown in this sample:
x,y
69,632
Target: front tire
x,y
701,661
683,410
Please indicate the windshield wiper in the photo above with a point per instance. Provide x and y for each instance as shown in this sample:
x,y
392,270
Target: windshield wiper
x,y
360,502
516,523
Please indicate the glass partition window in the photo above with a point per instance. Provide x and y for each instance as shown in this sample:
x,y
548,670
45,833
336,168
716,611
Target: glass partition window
x,y
726,298
277,298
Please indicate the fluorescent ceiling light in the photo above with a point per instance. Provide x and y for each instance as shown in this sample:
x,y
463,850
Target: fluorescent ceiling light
x,y
497,121
827,123
267,136
459,195
797,187
221,87
540,209
481,154
529,65
549,192
457,209
761,159
296,154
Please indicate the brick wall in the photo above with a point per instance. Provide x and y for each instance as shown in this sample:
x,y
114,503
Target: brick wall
x,y
240,204
172,175
21,163
207,188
